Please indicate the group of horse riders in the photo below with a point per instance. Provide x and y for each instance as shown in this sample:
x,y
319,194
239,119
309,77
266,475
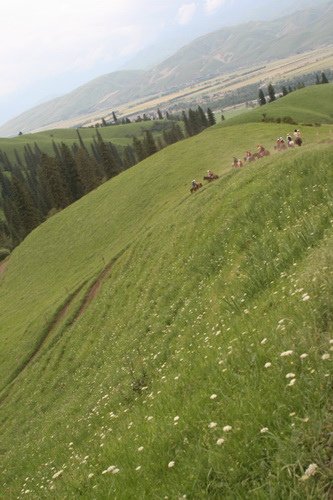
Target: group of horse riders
x,y
209,177
261,152
281,144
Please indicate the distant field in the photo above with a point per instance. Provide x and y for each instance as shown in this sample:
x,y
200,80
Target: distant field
x,y
120,135
217,87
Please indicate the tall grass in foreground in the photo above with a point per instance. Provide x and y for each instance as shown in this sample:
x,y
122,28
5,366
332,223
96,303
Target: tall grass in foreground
x,y
202,369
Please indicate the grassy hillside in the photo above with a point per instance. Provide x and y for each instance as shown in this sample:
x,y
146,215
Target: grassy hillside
x,y
120,135
182,339
309,105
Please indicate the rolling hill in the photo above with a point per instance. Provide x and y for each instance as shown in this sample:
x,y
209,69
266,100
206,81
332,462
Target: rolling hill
x,y
216,53
309,105
157,343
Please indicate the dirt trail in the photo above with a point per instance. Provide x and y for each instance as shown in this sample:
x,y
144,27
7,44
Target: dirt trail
x,y
59,316
93,290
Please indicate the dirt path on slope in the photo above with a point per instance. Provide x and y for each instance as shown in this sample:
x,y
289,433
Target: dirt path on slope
x,y
89,296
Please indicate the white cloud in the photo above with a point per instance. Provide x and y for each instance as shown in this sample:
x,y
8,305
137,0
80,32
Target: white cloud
x,y
186,12
38,42
211,5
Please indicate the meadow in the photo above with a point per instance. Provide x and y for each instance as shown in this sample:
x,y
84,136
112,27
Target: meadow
x,y
158,344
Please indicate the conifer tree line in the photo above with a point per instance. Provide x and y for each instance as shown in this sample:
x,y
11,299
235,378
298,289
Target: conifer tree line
x,y
36,184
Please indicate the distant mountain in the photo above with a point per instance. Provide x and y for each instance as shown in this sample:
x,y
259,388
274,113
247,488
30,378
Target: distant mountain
x,y
222,51
244,45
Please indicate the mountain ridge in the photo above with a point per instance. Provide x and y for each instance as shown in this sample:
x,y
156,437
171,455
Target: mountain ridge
x,y
210,55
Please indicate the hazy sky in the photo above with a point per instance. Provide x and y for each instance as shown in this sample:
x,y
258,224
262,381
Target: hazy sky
x,y
49,48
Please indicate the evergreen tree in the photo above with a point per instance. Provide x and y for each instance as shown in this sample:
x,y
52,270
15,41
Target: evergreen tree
x,y
323,78
129,157
195,121
149,143
318,82
82,145
203,117
138,149
115,119
187,125
69,172
52,183
284,90
211,117
261,98
159,114
25,216
87,169
271,93
108,160
290,89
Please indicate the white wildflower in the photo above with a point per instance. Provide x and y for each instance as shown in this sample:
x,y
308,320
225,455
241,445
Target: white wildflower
x,y
57,474
213,396
292,382
304,355
310,471
220,442
263,341
171,464
212,425
90,475
268,364
263,430
140,448
227,428
290,375
325,356
305,297
138,467
111,468
176,419
286,353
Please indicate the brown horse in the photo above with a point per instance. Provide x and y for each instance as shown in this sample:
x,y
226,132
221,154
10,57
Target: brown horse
x,y
196,187
298,141
210,177
237,163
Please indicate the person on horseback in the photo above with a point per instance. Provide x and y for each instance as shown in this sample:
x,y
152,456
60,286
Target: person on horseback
x,y
298,137
261,150
210,174
290,141
194,184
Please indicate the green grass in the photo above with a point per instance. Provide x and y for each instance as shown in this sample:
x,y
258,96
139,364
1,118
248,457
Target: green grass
x,y
309,105
203,291
120,135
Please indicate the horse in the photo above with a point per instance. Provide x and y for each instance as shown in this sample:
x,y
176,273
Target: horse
x,y
262,153
298,141
249,157
237,163
210,178
196,187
